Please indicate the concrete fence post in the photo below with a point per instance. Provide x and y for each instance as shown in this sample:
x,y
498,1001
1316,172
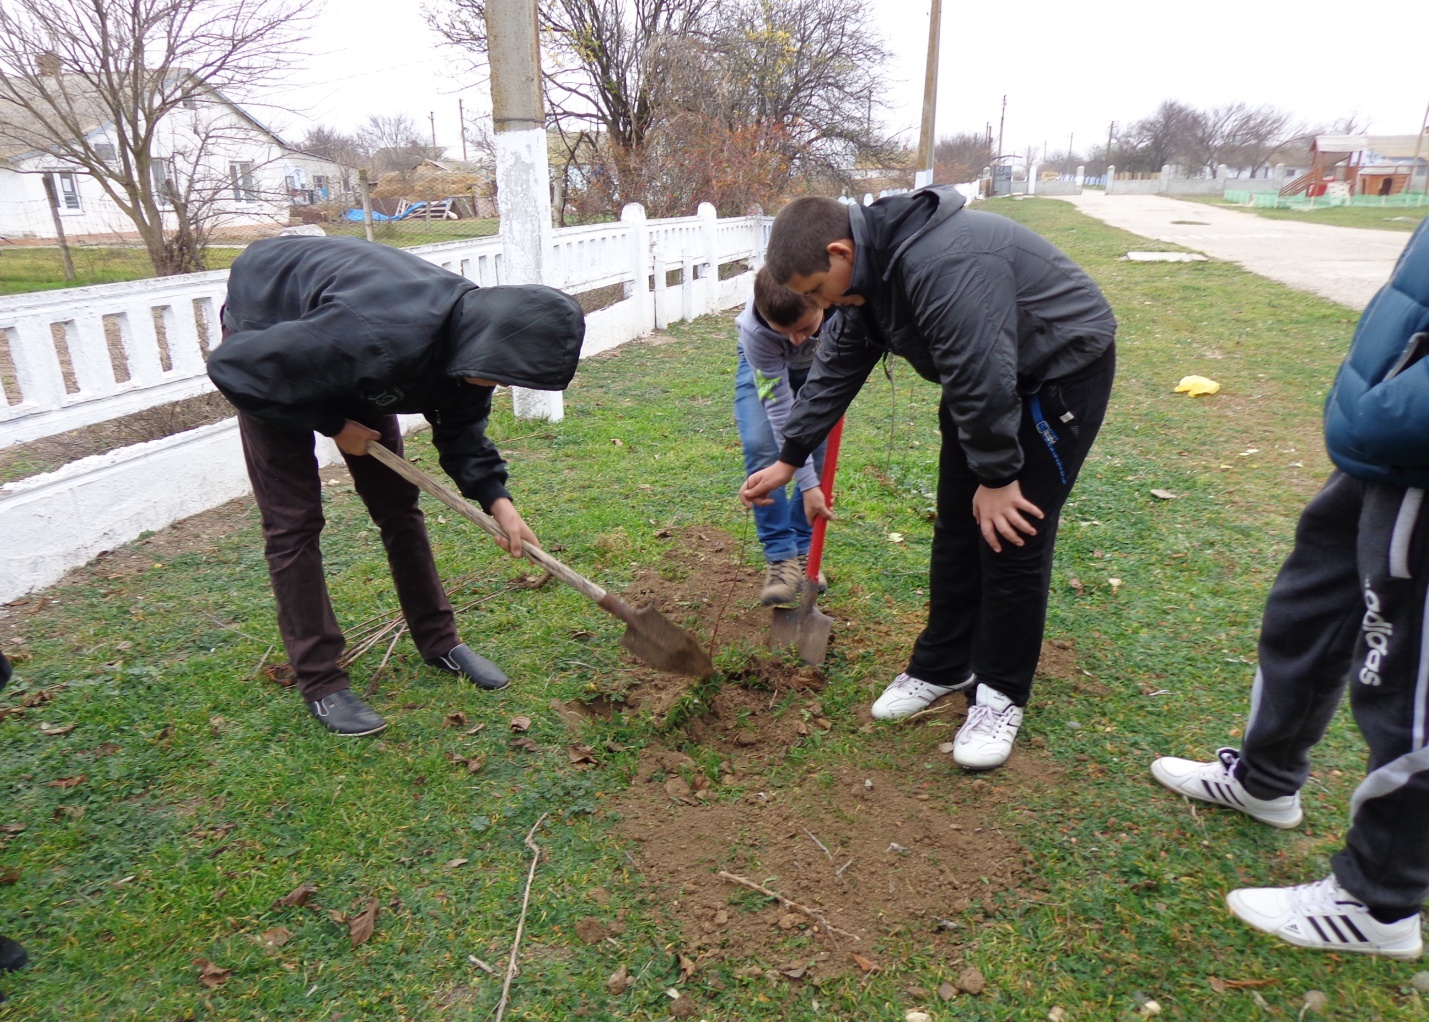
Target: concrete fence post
x,y
1032,178
1081,177
639,287
1164,185
687,287
709,235
658,258
1110,178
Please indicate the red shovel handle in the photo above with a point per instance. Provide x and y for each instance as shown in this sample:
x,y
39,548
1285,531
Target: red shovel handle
x,y
831,463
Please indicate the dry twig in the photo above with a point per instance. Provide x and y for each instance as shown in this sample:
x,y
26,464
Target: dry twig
x,y
816,841
520,923
926,713
812,913
372,685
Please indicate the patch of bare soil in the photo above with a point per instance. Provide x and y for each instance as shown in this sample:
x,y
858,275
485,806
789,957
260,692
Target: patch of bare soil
x,y
857,854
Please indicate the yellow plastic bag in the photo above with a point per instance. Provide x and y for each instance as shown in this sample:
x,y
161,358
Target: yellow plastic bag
x,y
1197,386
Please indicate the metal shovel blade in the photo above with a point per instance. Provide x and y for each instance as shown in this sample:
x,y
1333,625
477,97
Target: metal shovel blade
x,y
656,640
806,629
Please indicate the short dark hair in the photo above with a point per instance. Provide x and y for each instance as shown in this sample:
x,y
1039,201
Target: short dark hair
x,y
779,306
802,233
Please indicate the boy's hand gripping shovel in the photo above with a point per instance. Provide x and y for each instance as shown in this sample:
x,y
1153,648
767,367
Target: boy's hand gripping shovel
x,y
649,635
807,629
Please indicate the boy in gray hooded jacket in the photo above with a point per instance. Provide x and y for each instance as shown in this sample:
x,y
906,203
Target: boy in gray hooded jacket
x,y
336,336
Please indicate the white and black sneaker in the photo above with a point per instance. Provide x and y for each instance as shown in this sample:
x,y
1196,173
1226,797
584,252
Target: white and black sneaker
x,y
1324,915
1215,782
986,737
906,695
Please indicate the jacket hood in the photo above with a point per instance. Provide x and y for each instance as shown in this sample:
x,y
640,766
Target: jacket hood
x,y
526,335
884,229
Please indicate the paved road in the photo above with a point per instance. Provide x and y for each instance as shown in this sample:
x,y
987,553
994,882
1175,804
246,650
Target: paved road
x,y
1345,264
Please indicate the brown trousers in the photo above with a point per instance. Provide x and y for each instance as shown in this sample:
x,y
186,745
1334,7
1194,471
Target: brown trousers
x,y
283,468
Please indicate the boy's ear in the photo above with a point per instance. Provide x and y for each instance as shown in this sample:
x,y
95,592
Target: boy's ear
x,y
841,249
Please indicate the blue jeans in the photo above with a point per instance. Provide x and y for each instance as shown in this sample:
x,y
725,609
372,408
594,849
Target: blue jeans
x,y
783,530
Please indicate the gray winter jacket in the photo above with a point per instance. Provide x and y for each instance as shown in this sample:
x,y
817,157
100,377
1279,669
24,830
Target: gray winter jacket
x,y
772,355
975,302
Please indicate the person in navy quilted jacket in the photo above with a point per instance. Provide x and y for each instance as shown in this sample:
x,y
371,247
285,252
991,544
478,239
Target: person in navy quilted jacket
x,y
1348,610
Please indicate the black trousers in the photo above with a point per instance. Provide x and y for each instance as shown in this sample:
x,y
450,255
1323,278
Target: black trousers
x,y
987,610
284,471
1348,609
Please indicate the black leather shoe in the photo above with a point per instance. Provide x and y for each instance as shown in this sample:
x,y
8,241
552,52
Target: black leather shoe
x,y
12,955
343,713
480,671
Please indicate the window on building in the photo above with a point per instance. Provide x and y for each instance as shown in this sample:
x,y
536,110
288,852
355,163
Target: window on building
x,y
104,150
320,185
241,174
161,172
66,191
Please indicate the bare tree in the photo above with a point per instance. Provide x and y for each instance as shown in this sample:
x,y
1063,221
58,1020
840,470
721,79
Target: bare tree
x,y
1168,136
392,143
959,158
102,85
643,84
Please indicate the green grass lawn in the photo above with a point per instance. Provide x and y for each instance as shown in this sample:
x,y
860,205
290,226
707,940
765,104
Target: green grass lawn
x,y
1387,218
192,793
25,268
42,269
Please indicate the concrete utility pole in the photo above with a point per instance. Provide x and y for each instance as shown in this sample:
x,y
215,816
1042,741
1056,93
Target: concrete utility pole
x,y
1001,123
461,121
1418,142
523,172
924,173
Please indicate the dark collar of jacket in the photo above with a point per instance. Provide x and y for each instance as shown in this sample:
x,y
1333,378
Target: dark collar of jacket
x,y
883,231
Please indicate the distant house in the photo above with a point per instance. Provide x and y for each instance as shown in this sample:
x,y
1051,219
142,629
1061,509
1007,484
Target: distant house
x,y
210,150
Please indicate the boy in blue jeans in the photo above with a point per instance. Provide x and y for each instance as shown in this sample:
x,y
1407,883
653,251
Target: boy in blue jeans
x,y
778,333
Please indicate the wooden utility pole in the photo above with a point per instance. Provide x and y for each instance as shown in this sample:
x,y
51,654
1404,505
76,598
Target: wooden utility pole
x,y
523,163
1110,129
53,196
924,173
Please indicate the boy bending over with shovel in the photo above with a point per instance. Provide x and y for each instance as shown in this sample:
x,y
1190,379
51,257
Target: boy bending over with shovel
x,y
336,336
1022,343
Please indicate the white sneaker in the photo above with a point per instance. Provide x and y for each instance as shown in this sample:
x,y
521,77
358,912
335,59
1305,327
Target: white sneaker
x,y
1325,915
985,739
906,695
1215,783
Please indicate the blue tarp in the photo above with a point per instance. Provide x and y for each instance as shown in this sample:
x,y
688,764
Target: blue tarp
x,y
356,214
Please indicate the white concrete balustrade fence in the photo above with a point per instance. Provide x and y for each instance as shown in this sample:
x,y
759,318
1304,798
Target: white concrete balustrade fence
x,y
84,356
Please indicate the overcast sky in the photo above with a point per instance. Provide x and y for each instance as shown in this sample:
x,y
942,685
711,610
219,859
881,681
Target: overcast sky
x,y
1066,68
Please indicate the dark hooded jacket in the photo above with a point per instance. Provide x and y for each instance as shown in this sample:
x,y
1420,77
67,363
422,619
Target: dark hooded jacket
x,y
321,330
976,302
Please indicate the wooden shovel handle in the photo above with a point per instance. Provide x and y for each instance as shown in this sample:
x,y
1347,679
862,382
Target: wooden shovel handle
x,y
534,554
831,464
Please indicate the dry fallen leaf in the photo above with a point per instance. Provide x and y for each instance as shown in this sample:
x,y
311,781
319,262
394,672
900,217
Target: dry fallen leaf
x,y
454,720
10,876
582,757
619,981
1163,494
211,975
277,936
297,897
66,783
360,926
11,828
866,964
454,863
525,743
521,723
55,730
